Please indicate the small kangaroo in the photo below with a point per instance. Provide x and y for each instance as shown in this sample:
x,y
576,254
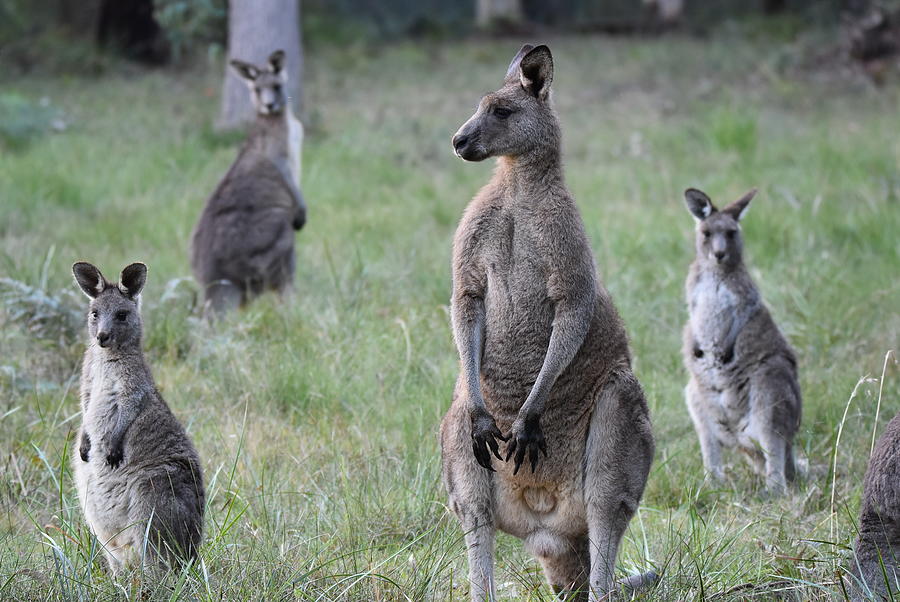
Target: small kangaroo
x,y
243,243
878,543
743,391
134,464
544,359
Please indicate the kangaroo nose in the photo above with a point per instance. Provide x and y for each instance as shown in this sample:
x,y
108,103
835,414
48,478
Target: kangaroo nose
x,y
719,255
459,141
103,338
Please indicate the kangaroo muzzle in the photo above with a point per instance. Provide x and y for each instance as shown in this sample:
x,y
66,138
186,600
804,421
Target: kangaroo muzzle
x,y
467,143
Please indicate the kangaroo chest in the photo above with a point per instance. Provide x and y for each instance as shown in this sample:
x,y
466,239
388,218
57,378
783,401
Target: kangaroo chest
x,y
107,391
516,300
103,491
516,265
713,307
519,314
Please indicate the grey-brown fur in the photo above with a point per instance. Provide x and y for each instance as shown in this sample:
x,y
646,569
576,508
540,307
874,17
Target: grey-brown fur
x,y
878,544
743,391
544,359
243,243
134,462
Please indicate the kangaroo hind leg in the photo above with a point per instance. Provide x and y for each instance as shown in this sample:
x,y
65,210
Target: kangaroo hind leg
x,y
471,496
567,572
618,456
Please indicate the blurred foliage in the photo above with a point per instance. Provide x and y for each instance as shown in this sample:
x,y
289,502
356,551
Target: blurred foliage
x,y
22,120
193,25
59,36
385,19
47,315
347,18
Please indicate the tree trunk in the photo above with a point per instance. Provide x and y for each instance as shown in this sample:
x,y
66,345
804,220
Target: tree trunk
x,y
255,30
490,13
130,28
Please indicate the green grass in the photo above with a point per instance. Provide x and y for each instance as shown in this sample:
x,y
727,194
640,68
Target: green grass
x,y
317,419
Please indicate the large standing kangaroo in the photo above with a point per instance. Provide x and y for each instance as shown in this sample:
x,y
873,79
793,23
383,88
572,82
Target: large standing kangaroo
x,y
243,243
544,359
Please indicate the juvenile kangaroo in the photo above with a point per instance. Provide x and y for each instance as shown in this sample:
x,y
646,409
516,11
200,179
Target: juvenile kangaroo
x,y
136,471
243,243
743,391
544,360
878,544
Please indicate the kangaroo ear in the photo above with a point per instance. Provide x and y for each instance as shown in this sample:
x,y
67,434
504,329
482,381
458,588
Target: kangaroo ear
x,y
276,61
698,204
512,72
536,71
132,280
89,278
738,209
244,70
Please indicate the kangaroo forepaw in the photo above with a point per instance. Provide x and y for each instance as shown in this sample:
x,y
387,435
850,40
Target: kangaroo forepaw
x,y
728,355
484,439
526,437
85,448
114,457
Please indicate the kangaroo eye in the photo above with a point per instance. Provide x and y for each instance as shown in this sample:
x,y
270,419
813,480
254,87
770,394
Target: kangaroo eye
x,y
730,233
122,315
502,112
277,88
705,233
94,313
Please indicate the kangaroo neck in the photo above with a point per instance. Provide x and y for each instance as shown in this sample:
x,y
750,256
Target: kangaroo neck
x,y
532,174
725,272
131,355
269,134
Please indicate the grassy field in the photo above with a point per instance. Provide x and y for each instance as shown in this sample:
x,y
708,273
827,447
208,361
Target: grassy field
x,y
317,419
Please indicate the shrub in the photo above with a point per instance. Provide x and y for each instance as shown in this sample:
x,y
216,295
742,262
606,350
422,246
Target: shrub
x,y
192,25
22,120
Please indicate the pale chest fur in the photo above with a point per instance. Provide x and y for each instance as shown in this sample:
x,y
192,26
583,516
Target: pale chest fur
x,y
101,489
105,391
712,306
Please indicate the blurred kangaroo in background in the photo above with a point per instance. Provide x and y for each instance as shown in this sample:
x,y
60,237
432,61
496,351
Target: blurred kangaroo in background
x,y
544,359
743,391
243,243
136,471
878,544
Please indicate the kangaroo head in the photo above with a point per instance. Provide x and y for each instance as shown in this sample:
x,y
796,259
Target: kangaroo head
x,y
114,318
267,84
517,118
718,240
